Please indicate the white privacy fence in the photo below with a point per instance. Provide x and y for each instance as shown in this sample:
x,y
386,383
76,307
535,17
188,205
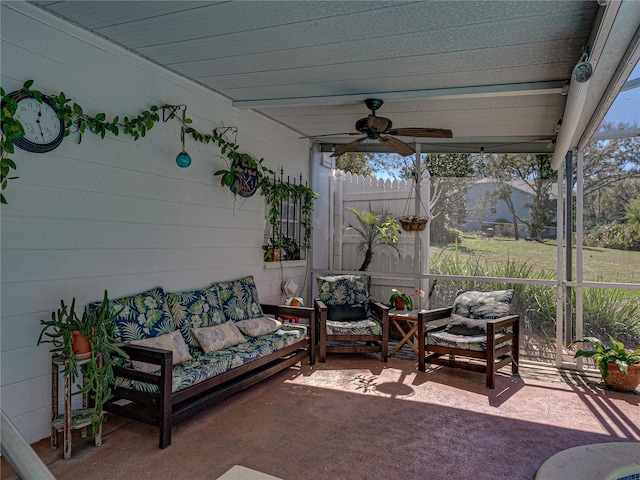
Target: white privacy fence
x,y
391,268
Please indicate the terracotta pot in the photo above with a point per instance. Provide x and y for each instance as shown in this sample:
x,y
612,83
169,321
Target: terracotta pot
x,y
619,381
80,346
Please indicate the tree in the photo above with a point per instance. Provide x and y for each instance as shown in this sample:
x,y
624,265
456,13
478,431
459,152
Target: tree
x,y
633,211
611,176
536,173
451,177
375,229
357,163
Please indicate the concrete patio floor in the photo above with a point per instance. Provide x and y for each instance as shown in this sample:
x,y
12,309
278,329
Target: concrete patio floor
x,y
357,418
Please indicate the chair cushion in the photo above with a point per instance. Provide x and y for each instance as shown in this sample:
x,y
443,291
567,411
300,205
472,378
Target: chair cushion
x,y
344,290
239,299
458,325
443,338
195,309
368,326
344,313
483,305
141,316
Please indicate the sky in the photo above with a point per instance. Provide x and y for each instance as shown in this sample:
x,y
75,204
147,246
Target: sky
x,y
626,107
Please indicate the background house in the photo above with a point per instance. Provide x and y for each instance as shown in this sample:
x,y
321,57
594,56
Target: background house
x,y
484,212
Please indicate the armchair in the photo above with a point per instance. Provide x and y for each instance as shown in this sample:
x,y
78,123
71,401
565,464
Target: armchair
x,y
476,333
350,322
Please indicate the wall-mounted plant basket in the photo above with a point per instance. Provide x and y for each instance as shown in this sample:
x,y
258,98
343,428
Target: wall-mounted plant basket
x,y
413,223
246,177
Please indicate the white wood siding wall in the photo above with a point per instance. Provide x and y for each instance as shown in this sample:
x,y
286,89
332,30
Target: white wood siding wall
x,y
117,214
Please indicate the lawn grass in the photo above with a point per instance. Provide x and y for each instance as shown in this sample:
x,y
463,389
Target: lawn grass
x,y
599,265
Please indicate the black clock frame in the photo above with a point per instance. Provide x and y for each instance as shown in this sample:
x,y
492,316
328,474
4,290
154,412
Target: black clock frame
x,y
28,145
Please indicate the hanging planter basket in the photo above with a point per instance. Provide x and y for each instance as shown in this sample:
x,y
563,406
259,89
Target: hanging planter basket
x,y
246,179
413,223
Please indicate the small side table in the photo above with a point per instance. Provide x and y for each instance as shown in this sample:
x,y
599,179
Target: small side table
x,y
402,319
70,419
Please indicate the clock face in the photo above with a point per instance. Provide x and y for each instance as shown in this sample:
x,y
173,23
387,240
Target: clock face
x,y
43,130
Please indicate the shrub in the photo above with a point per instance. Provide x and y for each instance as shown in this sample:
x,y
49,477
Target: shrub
x,y
606,311
615,235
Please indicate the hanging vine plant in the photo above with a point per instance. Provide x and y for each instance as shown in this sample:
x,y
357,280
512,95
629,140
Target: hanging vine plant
x,y
77,122
278,192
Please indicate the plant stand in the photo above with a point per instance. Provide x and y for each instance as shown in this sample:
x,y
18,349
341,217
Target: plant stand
x,y
70,419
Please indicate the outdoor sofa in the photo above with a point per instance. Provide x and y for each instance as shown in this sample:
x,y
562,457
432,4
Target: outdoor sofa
x,y
189,350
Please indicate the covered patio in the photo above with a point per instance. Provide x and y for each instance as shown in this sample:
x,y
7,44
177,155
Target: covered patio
x,y
287,81
355,418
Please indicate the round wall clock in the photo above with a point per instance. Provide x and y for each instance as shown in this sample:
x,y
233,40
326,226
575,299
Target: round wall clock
x,y
43,130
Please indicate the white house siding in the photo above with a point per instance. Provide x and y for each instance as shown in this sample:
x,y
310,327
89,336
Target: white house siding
x,y
117,214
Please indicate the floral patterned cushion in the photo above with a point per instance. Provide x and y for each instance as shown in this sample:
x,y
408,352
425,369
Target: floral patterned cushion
x,y
443,338
172,341
255,327
141,316
361,327
207,365
195,309
483,305
239,299
344,290
218,337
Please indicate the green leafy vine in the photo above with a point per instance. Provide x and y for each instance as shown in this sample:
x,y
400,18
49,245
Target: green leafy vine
x,y
78,122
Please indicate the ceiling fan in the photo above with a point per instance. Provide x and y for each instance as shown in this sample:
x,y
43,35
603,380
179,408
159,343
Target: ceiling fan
x,y
379,128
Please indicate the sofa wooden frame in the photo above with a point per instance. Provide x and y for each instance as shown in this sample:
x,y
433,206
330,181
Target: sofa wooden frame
x,y
503,346
373,343
164,408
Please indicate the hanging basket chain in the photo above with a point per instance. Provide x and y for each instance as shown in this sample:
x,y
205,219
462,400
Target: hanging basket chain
x,y
413,223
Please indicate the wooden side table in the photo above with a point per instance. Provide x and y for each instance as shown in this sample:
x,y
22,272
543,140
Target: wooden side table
x,y
70,419
402,319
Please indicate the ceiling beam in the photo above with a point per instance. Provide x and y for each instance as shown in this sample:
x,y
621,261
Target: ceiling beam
x,y
482,91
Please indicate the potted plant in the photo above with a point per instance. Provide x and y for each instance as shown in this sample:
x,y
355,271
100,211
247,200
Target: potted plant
x,y
97,326
375,230
400,301
244,175
619,367
271,252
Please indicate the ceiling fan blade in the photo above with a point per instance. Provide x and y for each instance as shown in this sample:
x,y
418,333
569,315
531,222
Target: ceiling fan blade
x,y
348,147
397,146
378,123
421,132
330,135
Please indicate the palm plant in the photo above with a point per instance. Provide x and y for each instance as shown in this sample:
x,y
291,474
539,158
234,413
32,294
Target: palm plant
x,y
375,230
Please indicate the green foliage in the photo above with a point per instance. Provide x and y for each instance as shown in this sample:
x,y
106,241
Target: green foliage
x,y
78,122
277,192
357,163
375,230
615,235
603,354
97,373
442,234
397,294
612,312
633,211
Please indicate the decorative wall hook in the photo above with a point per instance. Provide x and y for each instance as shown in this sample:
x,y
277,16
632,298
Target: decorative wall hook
x,y
170,111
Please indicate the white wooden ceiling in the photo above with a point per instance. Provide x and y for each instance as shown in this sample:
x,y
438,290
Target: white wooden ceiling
x,y
491,71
